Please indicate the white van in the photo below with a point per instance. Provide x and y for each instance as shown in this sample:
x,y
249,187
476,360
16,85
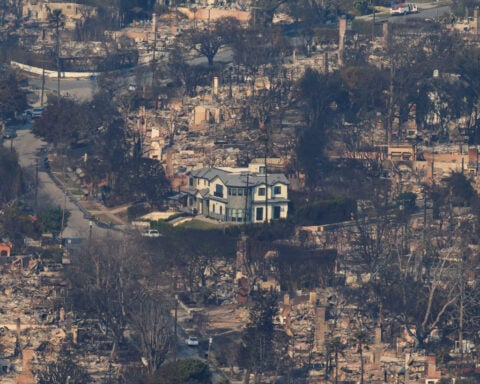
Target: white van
x,y
151,233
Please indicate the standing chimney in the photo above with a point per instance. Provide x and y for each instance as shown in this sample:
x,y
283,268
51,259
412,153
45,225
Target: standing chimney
x,y
342,30
320,329
215,86
385,35
154,22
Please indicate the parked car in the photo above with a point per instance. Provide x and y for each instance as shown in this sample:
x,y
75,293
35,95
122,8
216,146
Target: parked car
x,y
37,112
191,341
151,233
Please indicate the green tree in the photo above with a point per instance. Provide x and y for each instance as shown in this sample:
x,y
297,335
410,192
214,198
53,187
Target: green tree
x,y
12,98
62,123
50,219
11,176
323,99
257,353
188,371
460,189
264,10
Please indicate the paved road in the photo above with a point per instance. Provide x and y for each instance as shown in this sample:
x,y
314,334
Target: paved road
x,y
430,13
426,11
80,89
27,147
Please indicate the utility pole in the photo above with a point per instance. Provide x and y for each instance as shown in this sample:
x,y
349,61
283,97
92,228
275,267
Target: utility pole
x,y
62,227
154,59
373,23
267,133
175,331
388,131
36,187
43,87
64,204
58,62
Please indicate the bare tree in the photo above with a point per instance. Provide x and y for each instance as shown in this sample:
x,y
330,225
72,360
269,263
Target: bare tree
x,y
64,370
152,326
105,278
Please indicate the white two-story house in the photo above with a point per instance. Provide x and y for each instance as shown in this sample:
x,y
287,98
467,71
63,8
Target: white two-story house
x,y
238,195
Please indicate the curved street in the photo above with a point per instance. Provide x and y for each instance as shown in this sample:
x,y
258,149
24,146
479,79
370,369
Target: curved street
x,y
28,148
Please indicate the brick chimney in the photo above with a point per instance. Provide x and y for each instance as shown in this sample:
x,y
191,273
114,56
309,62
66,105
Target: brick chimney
x,y
386,37
342,30
320,328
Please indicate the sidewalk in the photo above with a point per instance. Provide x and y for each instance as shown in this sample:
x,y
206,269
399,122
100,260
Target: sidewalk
x,y
93,210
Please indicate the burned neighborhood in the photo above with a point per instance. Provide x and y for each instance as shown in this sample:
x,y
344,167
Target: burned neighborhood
x,y
239,191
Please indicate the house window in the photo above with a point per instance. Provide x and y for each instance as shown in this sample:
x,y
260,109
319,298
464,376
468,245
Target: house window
x,y
232,191
218,190
261,191
277,190
276,212
261,170
240,191
259,214
221,210
236,215
191,181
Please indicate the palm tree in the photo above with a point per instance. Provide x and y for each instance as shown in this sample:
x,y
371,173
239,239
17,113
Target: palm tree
x,y
57,21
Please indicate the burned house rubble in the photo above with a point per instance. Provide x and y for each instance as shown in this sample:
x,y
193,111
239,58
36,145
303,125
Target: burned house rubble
x,y
377,293
34,323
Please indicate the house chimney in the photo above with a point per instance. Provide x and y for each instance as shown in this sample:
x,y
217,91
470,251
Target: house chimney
x,y
74,334
215,86
241,261
19,327
342,30
386,37
320,329
154,22
313,298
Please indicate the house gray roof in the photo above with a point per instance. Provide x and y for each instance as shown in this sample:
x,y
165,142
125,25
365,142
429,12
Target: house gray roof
x,y
243,179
